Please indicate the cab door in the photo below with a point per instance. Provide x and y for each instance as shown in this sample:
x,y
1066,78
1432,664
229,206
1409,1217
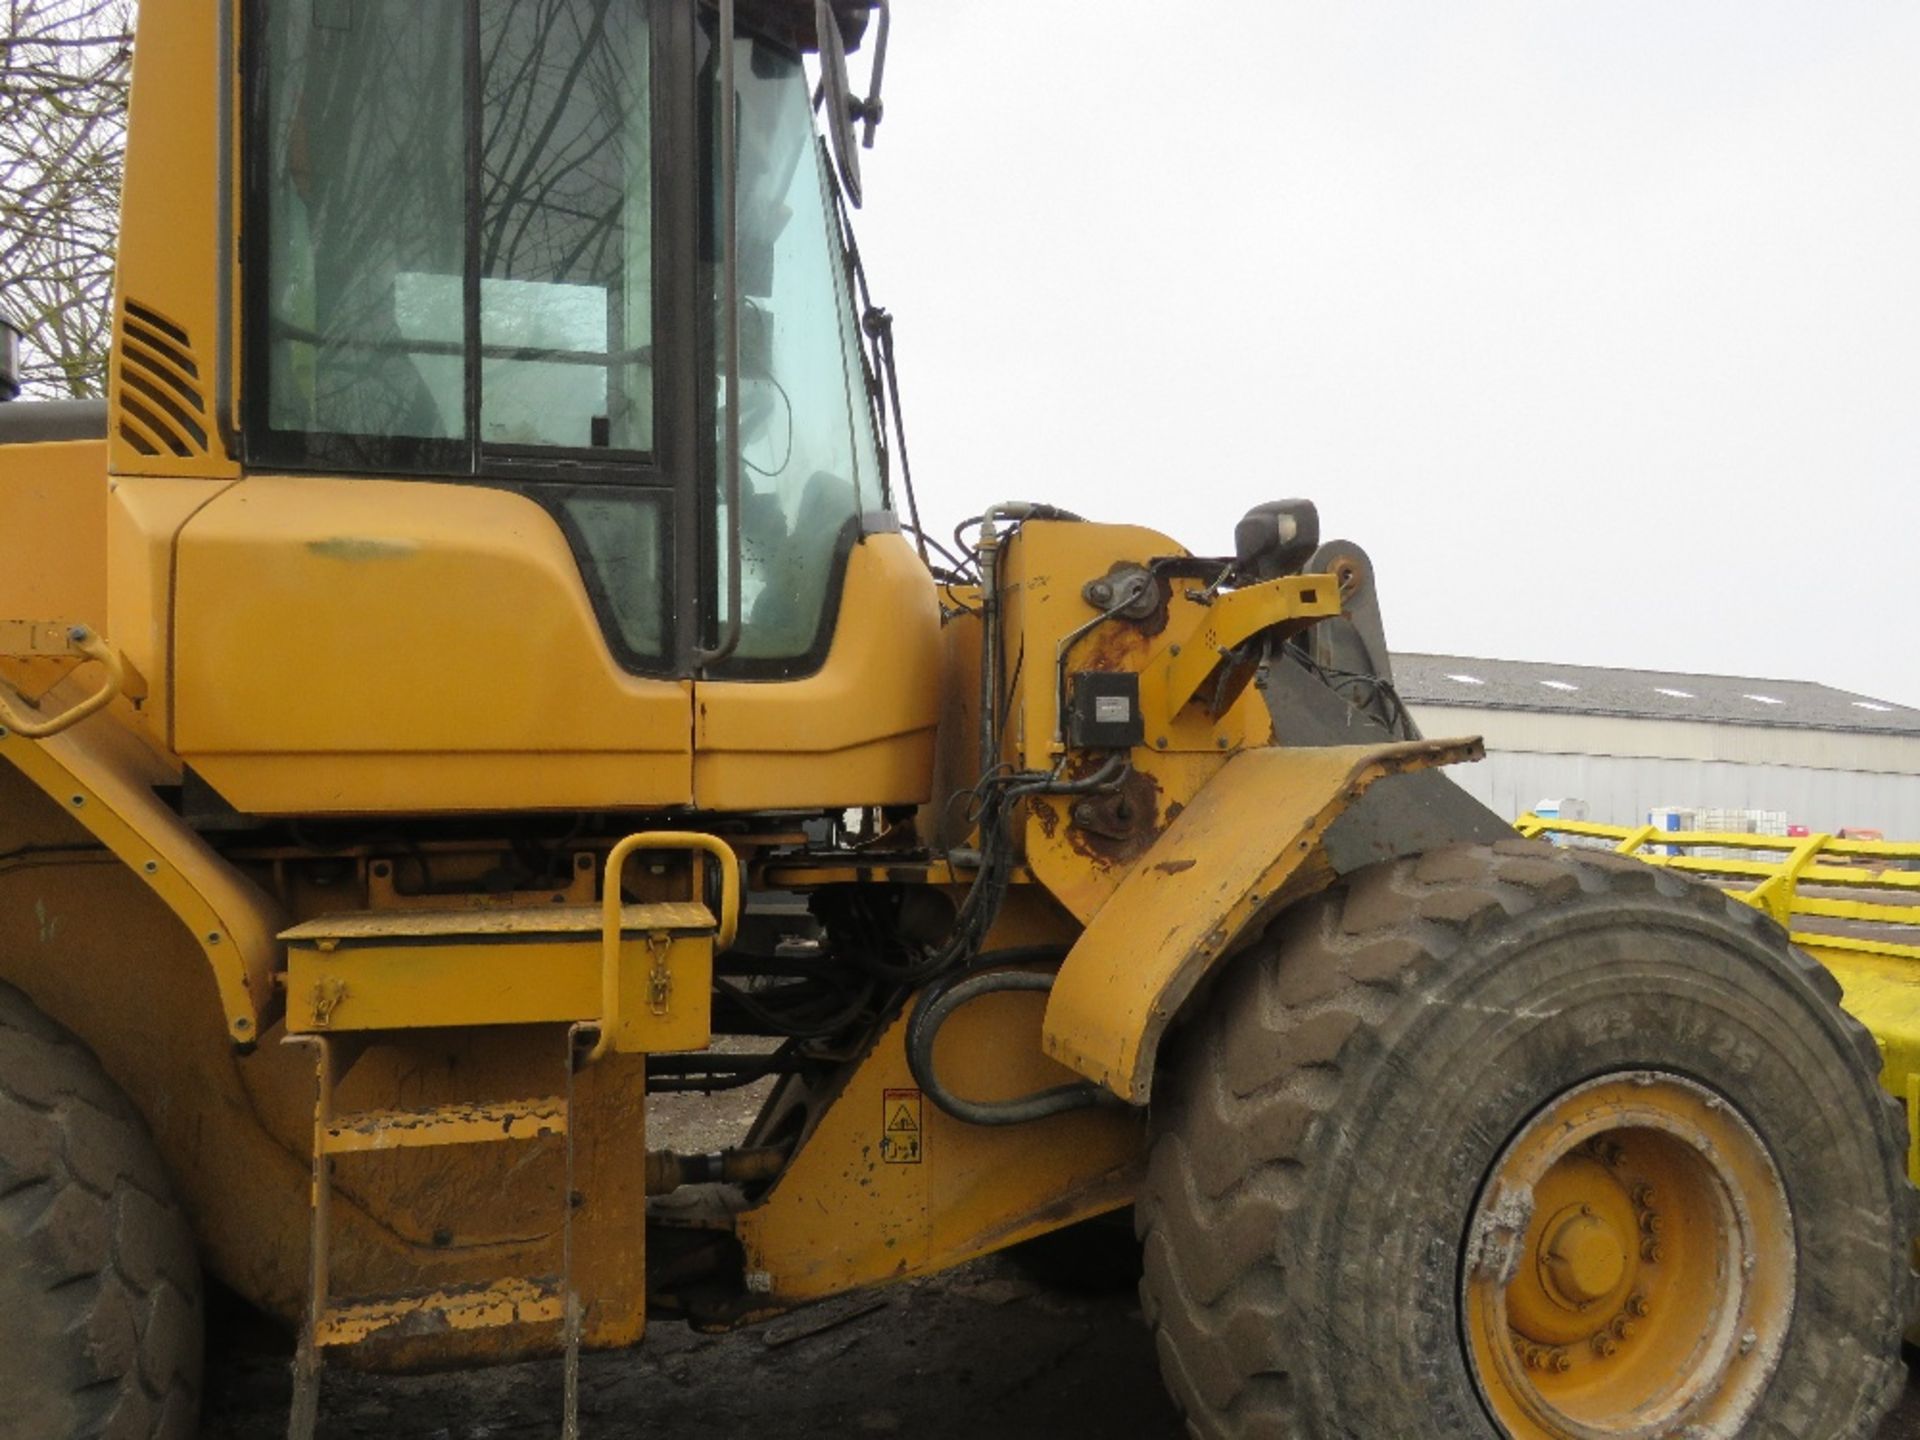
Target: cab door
x,y
459,571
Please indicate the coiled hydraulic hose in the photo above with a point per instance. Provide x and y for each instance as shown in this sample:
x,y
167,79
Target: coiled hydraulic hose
x,y
937,1003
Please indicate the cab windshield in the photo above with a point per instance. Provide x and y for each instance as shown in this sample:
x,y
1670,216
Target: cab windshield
x,y
809,467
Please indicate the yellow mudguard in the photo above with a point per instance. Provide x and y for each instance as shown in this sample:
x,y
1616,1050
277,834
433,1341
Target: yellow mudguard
x,y
1247,847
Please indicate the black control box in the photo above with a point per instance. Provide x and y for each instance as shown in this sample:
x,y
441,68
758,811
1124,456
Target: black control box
x,y
1103,712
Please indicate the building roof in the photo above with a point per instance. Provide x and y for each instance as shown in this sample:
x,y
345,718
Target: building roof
x,y
1542,686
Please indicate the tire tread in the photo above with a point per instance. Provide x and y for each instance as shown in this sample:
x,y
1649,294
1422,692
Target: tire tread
x,y
86,1206
1245,1084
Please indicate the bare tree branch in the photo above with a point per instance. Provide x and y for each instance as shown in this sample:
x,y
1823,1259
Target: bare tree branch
x,y
64,67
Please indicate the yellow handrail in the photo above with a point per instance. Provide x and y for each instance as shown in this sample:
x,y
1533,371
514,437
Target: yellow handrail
x,y
610,908
90,646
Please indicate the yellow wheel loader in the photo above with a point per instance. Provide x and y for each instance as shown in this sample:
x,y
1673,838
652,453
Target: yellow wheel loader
x,y
480,667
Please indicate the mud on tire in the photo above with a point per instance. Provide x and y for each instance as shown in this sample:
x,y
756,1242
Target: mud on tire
x,y
100,1291
1324,1125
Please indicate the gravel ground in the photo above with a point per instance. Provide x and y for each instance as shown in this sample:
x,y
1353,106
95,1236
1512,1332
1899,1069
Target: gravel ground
x,y
983,1352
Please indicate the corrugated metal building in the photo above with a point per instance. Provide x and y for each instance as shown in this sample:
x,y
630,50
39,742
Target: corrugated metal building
x,y
1628,741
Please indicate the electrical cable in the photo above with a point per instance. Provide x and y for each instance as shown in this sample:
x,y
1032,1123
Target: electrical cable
x,y
1392,710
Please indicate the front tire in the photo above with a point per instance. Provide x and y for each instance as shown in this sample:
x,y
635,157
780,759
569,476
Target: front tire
x,y
100,1291
1403,1162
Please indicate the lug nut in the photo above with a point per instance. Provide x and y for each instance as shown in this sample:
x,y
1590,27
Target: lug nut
x,y
1643,1195
1651,1252
1604,1345
1611,1153
1650,1222
1561,1362
1622,1328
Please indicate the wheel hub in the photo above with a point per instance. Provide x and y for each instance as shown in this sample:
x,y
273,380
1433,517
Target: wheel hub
x,y
1582,1260
1630,1267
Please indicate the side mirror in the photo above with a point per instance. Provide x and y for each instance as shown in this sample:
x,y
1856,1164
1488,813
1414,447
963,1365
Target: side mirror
x,y
842,110
1276,539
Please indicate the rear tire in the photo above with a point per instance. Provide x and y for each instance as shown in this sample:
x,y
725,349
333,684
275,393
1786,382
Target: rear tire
x,y
1327,1130
100,1291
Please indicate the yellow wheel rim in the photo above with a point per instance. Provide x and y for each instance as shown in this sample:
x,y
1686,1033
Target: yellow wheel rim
x,y
1630,1266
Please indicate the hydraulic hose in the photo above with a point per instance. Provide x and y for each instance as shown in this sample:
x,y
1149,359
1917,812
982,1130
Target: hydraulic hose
x,y
944,996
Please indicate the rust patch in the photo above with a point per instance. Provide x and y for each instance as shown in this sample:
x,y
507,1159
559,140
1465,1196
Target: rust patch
x,y
1174,867
1118,829
1119,644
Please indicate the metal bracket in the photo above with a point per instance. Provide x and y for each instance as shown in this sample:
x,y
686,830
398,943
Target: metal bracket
x,y
659,976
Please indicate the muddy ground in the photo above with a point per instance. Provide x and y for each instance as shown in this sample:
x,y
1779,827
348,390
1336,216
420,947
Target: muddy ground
x,y
985,1352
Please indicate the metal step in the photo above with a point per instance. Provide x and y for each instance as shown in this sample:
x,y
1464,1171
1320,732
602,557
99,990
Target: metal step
x,y
490,1306
431,969
459,1124
333,1322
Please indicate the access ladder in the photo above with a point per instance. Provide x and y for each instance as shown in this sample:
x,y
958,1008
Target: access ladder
x,y
628,978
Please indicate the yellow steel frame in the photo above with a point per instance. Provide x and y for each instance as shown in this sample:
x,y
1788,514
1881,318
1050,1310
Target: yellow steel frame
x,y
1773,874
886,1185
1172,681
102,776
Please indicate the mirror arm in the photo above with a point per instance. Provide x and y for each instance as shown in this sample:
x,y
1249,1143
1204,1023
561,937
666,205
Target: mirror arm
x,y
871,110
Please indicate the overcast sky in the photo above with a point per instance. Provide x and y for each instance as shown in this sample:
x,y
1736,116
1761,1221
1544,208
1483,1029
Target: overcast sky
x,y
1597,324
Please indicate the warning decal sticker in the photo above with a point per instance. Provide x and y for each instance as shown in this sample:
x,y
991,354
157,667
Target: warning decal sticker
x,y
900,1133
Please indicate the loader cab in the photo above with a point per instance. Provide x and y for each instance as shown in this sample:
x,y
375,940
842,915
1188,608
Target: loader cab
x,y
463,335
483,247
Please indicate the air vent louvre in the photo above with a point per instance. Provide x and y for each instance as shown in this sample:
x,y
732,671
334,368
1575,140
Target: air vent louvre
x,y
159,403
